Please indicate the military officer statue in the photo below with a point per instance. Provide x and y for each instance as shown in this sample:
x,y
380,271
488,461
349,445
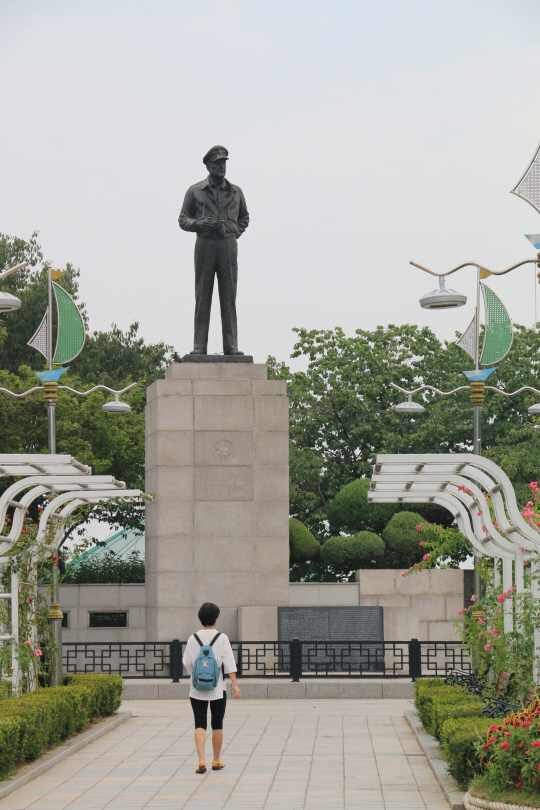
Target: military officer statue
x,y
216,210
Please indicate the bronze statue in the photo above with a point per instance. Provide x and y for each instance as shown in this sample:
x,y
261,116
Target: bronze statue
x,y
216,210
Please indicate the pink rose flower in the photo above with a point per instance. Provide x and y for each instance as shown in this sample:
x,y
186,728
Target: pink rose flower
x,y
500,598
487,648
38,652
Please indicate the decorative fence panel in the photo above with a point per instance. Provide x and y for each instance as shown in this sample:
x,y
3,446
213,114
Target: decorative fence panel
x,y
275,659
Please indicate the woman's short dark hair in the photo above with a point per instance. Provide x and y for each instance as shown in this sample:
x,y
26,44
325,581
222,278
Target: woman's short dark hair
x,y
208,614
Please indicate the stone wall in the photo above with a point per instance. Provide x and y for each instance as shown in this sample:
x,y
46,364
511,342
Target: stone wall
x,y
80,600
420,606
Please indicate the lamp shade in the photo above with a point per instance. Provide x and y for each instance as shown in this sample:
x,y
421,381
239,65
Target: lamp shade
x,y
116,406
409,406
443,298
8,302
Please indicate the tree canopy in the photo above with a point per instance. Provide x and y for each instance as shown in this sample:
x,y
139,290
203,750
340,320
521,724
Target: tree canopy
x,y
109,443
342,411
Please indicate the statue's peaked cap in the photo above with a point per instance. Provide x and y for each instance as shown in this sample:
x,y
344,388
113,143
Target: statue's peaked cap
x,y
216,153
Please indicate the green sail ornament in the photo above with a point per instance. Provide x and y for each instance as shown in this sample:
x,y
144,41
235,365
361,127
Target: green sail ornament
x,y
71,332
498,335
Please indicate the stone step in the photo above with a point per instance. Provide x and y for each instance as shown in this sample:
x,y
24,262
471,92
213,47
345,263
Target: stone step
x,y
260,688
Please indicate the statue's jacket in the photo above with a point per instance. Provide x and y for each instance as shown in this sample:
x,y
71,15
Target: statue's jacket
x,y
200,203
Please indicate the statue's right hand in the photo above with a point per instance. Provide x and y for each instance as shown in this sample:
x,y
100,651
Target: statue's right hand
x,y
204,226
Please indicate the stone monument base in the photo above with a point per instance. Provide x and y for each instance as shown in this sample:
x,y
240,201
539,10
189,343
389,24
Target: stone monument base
x,y
218,529
214,358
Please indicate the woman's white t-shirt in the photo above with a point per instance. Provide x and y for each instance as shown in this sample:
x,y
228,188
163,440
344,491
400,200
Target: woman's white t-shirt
x,y
223,654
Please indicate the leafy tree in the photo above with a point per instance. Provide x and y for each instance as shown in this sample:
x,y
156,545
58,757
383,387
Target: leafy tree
x,y
109,358
302,544
342,410
346,554
110,444
30,285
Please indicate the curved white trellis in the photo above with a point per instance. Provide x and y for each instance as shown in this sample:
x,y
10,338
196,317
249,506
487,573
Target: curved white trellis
x,y
443,479
75,486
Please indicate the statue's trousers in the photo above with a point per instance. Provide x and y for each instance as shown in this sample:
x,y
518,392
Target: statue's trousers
x,y
216,257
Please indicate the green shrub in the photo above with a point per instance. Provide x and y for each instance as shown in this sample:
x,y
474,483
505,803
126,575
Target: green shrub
x,y
39,721
351,512
425,696
108,568
302,544
458,740
349,553
402,540
421,684
468,706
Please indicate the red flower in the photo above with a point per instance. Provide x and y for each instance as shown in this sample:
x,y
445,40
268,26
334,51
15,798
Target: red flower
x,y
54,558
494,728
509,734
30,600
526,724
505,746
518,784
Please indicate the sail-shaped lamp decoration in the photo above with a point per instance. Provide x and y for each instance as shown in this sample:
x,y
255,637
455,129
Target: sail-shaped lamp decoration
x,y
71,333
528,187
498,333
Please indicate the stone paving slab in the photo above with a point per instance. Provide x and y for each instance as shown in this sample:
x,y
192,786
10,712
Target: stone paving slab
x,y
280,755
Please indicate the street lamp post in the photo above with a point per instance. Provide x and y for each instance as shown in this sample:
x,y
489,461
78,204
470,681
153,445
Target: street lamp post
x,y
497,343
70,341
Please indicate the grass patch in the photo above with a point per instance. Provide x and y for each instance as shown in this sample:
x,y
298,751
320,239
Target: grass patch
x,y
526,797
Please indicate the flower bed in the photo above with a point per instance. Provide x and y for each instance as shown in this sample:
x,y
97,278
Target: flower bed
x,y
40,720
499,761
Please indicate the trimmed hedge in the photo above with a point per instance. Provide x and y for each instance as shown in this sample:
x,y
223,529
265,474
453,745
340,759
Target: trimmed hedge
x,y
467,706
425,697
437,702
458,738
302,544
40,720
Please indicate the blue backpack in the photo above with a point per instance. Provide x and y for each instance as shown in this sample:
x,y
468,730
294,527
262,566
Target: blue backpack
x,y
205,675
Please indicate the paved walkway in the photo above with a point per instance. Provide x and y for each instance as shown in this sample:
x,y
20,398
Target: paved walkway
x,y
279,755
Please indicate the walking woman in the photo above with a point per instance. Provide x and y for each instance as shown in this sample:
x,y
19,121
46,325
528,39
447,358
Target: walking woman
x,y
208,657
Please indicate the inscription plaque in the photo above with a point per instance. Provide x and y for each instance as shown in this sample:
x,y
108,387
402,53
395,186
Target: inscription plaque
x,y
323,626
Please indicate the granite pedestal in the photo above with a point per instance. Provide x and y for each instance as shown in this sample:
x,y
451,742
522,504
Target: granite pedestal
x,y
217,461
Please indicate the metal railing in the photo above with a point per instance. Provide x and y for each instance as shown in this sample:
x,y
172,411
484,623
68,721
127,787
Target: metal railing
x,y
274,659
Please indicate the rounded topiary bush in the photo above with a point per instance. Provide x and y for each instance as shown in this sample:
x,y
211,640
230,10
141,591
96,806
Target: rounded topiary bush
x,y
351,512
302,544
363,550
403,540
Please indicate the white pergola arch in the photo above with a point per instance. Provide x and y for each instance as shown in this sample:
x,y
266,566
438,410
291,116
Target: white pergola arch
x,y
44,474
441,478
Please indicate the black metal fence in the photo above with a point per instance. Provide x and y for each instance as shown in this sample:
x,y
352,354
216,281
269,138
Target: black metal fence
x,y
275,659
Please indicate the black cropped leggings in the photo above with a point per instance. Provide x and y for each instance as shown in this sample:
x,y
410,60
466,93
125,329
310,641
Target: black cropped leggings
x,y
217,712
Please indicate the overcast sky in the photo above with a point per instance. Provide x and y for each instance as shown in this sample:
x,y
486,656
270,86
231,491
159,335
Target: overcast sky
x,y
364,134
